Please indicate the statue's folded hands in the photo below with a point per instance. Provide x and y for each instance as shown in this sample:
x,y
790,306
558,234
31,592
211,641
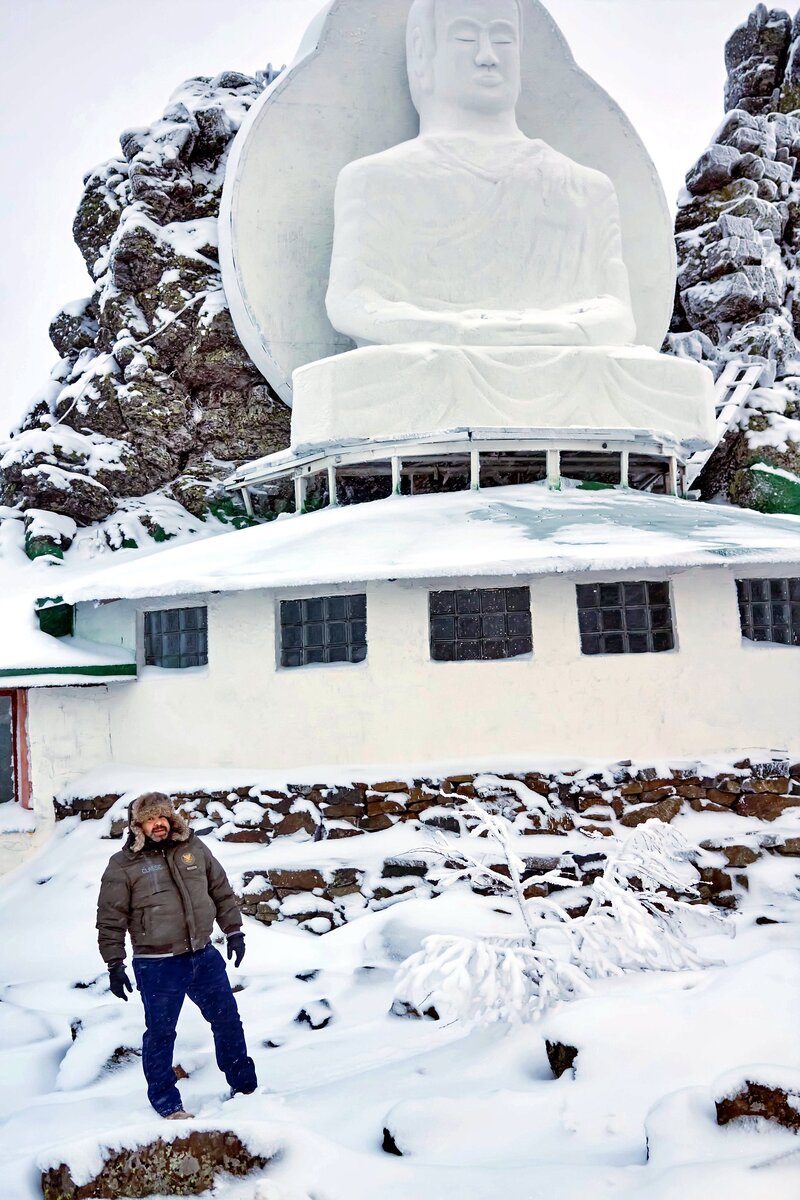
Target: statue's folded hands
x,y
377,321
601,321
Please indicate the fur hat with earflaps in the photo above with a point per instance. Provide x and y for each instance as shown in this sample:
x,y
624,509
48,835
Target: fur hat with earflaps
x,y
146,808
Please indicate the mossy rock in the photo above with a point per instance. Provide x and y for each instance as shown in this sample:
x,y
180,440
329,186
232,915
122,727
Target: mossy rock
x,y
100,210
790,98
157,532
187,1166
74,328
703,210
42,547
230,512
85,500
766,490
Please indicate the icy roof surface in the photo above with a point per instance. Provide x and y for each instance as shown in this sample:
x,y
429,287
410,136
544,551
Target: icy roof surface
x,y
522,530
25,648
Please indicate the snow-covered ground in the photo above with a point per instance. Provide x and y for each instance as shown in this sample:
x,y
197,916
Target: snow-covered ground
x,y
476,1112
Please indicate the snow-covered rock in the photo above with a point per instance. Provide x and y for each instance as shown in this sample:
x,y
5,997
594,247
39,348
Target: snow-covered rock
x,y
738,240
756,58
765,1093
184,1165
154,398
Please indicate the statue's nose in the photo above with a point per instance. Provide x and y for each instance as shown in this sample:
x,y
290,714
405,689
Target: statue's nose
x,y
486,56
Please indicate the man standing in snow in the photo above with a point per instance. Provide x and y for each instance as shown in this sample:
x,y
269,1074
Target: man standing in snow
x,y
165,889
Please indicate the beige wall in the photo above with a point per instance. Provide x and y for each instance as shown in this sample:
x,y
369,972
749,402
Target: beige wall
x,y
69,732
713,694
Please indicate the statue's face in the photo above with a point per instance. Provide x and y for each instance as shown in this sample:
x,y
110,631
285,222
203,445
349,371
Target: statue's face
x,y
476,63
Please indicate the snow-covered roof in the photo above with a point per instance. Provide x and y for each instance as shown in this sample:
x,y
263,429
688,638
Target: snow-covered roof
x,y
524,530
31,658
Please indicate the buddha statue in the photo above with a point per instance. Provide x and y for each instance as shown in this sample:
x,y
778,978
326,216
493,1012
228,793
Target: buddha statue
x,y
480,272
473,233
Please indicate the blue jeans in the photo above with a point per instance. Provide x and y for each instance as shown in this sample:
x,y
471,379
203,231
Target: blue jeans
x,y
164,984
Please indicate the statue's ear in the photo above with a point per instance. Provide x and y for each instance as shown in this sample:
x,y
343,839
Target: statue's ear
x,y
420,62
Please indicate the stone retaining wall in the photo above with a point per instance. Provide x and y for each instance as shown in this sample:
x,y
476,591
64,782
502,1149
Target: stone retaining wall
x,y
251,814
594,802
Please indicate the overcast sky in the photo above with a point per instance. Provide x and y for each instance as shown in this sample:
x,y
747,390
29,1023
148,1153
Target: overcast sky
x,y
76,72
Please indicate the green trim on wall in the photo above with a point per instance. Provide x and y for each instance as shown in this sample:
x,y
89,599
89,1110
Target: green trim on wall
x,y
118,669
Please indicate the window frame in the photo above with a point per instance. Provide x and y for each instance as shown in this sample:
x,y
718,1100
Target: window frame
x,y
525,656
304,598
748,581
141,657
624,631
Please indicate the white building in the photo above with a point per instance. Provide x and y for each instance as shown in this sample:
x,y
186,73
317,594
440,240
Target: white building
x,y
505,626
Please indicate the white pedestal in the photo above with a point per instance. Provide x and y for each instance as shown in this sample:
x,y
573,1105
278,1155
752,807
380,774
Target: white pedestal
x,y
399,391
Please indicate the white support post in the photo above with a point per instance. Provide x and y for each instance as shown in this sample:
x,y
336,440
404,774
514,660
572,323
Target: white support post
x,y
299,493
554,470
248,503
673,476
625,468
397,471
475,470
333,498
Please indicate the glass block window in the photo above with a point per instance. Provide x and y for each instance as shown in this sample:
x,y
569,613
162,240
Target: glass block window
x,y
176,637
482,624
769,610
625,618
325,629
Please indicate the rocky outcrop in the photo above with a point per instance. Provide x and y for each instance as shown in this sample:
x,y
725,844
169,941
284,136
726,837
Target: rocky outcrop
x,y
154,399
186,1166
776,1104
738,240
561,1057
756,58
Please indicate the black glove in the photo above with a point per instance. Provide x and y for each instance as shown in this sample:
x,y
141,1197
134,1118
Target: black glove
x,y
235,948
119,980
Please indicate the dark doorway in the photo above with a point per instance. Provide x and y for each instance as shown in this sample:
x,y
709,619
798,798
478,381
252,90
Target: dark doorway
x,y
8,782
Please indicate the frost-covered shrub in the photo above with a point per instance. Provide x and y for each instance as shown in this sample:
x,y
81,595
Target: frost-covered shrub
x,y
630,920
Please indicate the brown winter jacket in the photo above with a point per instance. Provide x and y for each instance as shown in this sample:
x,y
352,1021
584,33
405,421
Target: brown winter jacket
x,y
166,897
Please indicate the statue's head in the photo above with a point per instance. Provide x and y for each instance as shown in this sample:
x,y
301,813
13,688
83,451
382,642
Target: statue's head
x,y
464,54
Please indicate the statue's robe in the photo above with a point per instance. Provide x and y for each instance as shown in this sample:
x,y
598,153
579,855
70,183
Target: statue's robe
x,y
485,288
426,228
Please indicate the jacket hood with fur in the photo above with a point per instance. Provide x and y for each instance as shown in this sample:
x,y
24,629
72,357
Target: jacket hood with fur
x,y
145,808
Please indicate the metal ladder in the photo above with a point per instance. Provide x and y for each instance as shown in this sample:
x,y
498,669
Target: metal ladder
x,y
732,392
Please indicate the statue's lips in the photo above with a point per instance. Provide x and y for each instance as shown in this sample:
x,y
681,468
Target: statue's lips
x,y
489,80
